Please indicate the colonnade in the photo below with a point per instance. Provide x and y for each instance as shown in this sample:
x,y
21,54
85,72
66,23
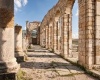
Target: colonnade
x,y
10,38
58,25
55,33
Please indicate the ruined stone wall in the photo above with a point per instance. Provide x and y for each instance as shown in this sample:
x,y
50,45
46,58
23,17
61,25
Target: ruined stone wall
x,y
30,26
54,38
89,22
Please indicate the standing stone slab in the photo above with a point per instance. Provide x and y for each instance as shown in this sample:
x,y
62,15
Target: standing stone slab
x,y
19,54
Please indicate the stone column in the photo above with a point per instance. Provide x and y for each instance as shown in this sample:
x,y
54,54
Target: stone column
x,y
97,33
46,37
59,35
86,33
55,36
50,38
7,60
65,36
43,37
24,44
19,54
58,41
70,34
61,39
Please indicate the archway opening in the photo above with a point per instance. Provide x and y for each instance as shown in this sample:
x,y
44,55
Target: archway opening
x,y
75,29
58,31
51,34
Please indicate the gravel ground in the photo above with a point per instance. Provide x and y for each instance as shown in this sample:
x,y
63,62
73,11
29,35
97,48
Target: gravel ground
x,y
43,65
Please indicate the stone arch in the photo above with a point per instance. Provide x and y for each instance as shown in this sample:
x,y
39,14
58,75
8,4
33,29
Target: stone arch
x,y
57,30
67,28
51,34
32,30
57,13
88,30
89,55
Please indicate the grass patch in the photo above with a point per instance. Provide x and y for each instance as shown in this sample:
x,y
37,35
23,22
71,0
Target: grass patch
x,y
21,75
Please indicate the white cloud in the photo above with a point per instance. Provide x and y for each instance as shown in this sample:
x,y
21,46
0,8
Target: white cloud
x,y
19,3
77,13
25,2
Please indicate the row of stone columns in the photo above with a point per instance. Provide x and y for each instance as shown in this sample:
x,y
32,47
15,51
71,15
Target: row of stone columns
x,y
58,35
89,30
7,53
19,53
8,47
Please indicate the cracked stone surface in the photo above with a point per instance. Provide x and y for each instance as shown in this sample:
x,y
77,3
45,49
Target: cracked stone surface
x,y
44,65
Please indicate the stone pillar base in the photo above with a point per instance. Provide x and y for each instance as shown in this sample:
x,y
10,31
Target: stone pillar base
x,y
96,67
57,52
9,66
65,56
8,76
20,56
85,66
50,49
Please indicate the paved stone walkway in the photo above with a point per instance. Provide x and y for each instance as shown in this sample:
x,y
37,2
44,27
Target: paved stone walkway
x,y
43,65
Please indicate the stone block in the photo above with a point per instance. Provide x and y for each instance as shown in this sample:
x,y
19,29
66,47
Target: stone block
x,y
8,76
98,60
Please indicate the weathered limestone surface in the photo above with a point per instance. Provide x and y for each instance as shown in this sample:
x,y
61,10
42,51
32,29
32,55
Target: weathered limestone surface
x,y
54,19
97,37
24,44
18,43
86,33
7,60
89,22
55,36
46,37
30,26
49,66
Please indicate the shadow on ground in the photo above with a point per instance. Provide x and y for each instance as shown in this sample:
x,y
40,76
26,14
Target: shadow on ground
x,y
44,56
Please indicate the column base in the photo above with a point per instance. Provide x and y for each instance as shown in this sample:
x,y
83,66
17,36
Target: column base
x,y
8,76
57,52
9,66
20,56
86,66
96,66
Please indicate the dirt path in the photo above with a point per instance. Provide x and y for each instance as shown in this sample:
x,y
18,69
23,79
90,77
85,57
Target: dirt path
x,y
48,66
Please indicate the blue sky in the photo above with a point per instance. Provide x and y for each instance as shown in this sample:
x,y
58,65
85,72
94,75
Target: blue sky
x,y
35,10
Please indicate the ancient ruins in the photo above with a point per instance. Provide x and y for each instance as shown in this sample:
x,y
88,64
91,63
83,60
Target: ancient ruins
x,y
58,22
54,33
